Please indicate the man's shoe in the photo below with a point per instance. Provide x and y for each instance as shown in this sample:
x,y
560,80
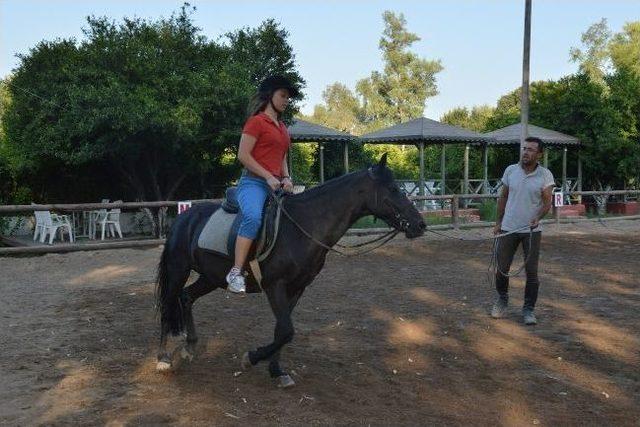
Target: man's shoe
x,y
529,317
235,281
500,308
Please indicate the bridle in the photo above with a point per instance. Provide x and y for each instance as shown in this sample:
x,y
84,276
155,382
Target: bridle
x,y
403,223
402,226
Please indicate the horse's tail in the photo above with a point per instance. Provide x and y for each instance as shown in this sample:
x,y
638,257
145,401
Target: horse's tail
x,y
168,303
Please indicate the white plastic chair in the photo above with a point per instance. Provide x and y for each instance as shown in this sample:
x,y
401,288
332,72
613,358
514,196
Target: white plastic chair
x,y
37,229
109,220
96,216
51,224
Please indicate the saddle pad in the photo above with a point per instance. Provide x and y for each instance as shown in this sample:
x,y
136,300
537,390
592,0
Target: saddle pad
x,y
215,234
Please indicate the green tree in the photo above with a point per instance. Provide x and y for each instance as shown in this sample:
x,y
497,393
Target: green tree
x,y
341,110
394,95
7,181
624,48
476,119
594,60
154,103
399,93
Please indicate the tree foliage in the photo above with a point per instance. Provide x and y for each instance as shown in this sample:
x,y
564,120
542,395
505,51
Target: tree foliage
x,y
396,94
152,105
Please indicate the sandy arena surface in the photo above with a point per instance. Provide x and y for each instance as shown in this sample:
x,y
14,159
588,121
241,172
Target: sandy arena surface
x,y
399,336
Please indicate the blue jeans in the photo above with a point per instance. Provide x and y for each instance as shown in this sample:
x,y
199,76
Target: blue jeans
x,y
252,193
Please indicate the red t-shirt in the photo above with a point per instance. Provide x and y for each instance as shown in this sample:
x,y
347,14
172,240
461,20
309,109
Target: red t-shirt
x,y
272,142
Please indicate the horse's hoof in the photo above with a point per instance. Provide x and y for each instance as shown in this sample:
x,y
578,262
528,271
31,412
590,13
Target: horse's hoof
x,y
163,366
285,381
186,355
246,364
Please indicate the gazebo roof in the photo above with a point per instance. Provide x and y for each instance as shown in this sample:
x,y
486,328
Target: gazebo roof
x,y
511,135
304,131
424,130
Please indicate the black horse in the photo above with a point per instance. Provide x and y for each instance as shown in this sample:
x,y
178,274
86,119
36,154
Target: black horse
x,y
325,212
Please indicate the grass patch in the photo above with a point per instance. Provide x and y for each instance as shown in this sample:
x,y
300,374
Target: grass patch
x,y
488,210
437,220
369,222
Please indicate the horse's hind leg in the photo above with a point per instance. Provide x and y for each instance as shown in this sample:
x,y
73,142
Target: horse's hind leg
x,y
189,295
174,281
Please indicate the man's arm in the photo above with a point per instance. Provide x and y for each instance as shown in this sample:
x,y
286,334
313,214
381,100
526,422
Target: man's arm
x,y
547,197
502,204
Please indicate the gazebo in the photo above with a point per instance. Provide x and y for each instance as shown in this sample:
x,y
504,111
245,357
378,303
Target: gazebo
x,y
304,131
510,135
423,131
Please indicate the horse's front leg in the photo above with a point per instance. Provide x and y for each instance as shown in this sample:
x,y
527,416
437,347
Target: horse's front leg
x,y
282,377
280,305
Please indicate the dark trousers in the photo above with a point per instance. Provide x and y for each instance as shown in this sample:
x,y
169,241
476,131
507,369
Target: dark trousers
x,y
506,249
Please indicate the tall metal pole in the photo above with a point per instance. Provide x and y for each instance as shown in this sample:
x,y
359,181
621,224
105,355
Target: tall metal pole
x,y
524,100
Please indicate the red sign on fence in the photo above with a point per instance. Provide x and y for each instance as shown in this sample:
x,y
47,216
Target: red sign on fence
x,y
183,206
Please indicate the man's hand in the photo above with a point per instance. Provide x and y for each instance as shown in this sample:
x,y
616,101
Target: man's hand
x,y
497,228
273,183
287,184
534,223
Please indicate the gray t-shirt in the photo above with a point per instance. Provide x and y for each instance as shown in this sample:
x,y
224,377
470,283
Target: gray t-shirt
x,y
525,195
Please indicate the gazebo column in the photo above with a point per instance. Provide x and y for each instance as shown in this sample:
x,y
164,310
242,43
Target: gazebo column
x,y
465,185
564,169
346,156
321,149
485,161
545,161
421,180
443,172
579,175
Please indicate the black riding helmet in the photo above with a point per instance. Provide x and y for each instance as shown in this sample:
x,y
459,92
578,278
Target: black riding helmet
x,y
273,83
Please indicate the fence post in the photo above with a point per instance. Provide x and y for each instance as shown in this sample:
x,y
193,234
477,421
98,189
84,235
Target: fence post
x,y
454,211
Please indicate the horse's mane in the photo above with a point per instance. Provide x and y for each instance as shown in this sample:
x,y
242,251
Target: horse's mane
x,y
329,186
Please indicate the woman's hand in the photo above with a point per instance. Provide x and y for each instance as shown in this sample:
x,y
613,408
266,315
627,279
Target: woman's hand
x,y
273,183
287,184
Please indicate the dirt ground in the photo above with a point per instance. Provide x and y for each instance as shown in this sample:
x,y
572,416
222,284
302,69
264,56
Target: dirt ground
x,y
400,336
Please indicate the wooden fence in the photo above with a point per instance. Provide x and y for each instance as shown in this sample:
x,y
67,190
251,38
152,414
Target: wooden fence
x,y
454,199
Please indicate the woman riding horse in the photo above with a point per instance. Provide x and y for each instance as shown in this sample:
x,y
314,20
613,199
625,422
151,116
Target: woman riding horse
x,y
311,224
263,153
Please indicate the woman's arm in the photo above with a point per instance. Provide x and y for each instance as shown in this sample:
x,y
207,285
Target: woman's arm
x,y
287,183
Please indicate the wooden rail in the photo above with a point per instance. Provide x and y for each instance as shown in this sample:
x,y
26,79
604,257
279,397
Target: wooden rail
x,y
455,219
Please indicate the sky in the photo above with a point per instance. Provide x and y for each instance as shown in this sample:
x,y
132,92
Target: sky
x,y
479,42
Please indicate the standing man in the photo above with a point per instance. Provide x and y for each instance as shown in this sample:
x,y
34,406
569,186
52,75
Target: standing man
x,y
525,200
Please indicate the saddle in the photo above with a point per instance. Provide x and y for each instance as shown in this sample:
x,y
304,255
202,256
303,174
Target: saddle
x,y
221,230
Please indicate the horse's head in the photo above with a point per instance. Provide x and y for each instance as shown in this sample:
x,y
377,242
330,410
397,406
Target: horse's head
x,y
391,205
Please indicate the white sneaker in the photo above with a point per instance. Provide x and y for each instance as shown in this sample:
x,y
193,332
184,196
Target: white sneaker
x,y
235,281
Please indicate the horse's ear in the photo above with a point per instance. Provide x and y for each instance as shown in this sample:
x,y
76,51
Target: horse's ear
x,y
383,161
